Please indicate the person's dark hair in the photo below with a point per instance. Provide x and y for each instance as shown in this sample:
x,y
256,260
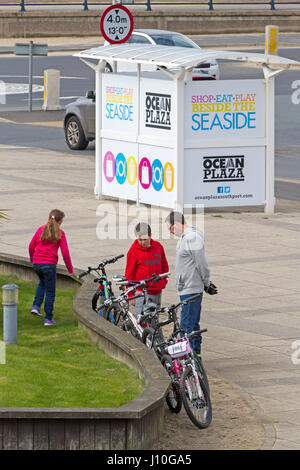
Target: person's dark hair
x,y
175,216
142,229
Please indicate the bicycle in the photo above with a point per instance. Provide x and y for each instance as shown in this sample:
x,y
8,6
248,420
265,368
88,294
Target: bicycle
x,y
123,317
150,334
104,290
117,312
193,391
189,384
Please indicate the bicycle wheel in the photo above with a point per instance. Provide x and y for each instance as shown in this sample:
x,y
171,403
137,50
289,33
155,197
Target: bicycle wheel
x,y
112,314
97,300
147,340
129,327
147,337
203,375
195,398
173,398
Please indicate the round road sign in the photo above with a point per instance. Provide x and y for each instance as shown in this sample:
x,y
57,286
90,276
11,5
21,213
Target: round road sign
x,y
116,24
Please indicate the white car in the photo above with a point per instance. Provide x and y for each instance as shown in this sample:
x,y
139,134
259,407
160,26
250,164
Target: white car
x,y
205,71
79,120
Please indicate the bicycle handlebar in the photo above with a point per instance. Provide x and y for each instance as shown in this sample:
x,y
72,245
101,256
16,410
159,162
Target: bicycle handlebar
x,y
148,316
190,299
109,261
189,335
172,308
84,273
125,295
136,297
196,333
142,282
101,265
175,306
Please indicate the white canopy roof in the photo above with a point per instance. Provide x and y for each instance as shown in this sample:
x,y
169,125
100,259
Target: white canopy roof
x,y
171,57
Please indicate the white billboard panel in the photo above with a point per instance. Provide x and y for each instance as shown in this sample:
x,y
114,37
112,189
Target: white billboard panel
x,y
157,179
157,108
225,177
119,103
119,169
141,172
223,109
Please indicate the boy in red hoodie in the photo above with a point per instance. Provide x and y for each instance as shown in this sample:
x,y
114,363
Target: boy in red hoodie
x,y
144,258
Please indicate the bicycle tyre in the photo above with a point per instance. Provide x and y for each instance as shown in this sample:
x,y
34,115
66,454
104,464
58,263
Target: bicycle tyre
x,y
131,329
97,300
202,371
112,314
147,340
128,326
147,337
197,403
99,297
173,398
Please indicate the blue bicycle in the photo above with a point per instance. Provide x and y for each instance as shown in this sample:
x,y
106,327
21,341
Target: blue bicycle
x,y
104,290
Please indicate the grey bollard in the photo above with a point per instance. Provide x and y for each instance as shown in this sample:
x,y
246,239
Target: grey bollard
x,y
10,313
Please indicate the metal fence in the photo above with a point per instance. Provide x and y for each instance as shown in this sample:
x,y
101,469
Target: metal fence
x,y
148,3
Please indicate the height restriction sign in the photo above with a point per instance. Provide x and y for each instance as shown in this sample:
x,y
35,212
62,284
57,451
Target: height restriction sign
x,y
116,24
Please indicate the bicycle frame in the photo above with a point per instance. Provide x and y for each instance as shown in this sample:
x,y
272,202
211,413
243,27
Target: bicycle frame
x,y
125,310
179,368
181,361
135,286
104,288
185,370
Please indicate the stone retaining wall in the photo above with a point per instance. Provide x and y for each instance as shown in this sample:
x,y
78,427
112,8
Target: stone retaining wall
x,y
189,20
136,425
22,268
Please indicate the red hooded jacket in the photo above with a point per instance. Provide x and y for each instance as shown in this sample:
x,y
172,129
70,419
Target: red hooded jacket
x,y
143,262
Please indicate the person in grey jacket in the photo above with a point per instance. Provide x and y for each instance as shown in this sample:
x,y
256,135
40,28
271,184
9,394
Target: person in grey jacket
x,y
192,274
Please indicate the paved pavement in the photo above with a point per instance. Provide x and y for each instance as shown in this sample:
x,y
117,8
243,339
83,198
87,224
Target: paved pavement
x,y
253,323
253,338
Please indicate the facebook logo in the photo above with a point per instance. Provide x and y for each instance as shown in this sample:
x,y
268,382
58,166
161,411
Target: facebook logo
x,y
223,189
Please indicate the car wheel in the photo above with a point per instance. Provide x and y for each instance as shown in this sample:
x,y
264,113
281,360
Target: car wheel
x,y
108,68
74,134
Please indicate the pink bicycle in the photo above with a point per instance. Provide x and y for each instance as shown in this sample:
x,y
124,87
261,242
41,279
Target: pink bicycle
x,y
189,383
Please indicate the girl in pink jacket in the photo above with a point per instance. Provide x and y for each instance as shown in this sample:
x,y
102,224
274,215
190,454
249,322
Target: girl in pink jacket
x,y
43,252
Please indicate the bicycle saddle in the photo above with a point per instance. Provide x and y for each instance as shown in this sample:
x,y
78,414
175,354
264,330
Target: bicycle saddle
x,y
119,278
150,307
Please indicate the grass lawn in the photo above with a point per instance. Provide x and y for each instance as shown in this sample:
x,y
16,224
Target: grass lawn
x,y
58,366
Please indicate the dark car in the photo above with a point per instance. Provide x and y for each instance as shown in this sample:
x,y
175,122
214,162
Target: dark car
x,y
79,122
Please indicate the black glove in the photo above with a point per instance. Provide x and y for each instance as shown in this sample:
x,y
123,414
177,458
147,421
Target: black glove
x,y
211,289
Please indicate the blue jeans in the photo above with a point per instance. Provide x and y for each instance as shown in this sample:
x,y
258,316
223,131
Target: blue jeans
x,y
190,319
46,288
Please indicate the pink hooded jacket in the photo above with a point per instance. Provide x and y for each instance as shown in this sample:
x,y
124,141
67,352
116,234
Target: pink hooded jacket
x,y
46,252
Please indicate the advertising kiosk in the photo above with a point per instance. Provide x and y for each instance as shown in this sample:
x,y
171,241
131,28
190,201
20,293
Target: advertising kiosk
x,y
165,140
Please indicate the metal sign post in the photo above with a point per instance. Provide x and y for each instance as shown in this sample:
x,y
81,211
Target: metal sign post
x,y
30,77
30,49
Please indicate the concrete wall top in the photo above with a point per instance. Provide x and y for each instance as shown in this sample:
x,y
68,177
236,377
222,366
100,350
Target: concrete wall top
x,y
47,23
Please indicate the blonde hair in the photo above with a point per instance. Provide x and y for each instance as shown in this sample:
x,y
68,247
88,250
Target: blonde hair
x,y
52,232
